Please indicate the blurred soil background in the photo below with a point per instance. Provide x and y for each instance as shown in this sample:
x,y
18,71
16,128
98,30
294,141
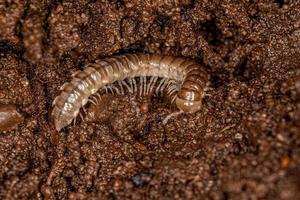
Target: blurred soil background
x,y
243,144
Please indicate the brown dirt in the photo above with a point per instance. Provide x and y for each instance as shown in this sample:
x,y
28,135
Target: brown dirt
x,y
243,144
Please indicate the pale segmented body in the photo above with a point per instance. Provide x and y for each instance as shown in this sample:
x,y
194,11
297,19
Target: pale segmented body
x,y
192,79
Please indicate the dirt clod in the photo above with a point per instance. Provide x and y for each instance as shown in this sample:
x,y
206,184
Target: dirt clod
x,y
9,117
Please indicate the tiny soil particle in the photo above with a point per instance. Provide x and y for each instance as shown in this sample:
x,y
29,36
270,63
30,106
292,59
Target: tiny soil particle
x,y
9,117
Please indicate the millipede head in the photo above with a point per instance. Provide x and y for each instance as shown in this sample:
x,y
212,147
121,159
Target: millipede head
x,y
188,106
189,100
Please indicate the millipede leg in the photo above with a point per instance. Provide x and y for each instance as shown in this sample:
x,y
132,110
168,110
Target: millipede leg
x,y
110,89
168,117
81,116
171,82
74,121
121,87
171,89
145,85
173,99
128,87
148,85
106,89
98,95
154,82
92,101
141,86
116,89
164,85
90,116
131,84
134,85
84,110
151,84
95,99
159,85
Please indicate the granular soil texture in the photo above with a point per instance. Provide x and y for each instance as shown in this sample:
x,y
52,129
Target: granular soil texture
x,y
243,144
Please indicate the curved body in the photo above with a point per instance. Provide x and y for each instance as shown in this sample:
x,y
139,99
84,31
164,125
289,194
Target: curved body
x,y
95,76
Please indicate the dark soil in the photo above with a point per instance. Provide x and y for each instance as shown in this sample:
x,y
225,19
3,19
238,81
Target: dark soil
x,y
243,144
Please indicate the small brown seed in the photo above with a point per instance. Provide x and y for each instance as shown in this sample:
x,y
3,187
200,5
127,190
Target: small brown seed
x,y
144,107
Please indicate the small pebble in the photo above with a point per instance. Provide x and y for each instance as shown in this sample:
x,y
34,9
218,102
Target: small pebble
x,y
9,117
238,136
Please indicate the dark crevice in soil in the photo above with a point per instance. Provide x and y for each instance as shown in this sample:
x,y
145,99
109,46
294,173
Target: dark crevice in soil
x,y
210,31
162,20
281,3
6,47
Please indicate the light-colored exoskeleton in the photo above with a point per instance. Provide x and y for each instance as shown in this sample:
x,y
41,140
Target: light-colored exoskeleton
x,y
191,76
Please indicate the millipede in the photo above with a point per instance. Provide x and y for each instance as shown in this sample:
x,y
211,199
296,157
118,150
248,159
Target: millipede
x,y
184,80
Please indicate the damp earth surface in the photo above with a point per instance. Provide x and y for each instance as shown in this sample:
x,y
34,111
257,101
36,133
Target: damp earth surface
x,y
243,144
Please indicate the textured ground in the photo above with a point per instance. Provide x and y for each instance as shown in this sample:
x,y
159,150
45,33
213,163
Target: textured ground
x,y
243,144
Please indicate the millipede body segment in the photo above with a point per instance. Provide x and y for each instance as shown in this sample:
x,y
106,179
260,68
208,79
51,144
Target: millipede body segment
x,y
192,79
